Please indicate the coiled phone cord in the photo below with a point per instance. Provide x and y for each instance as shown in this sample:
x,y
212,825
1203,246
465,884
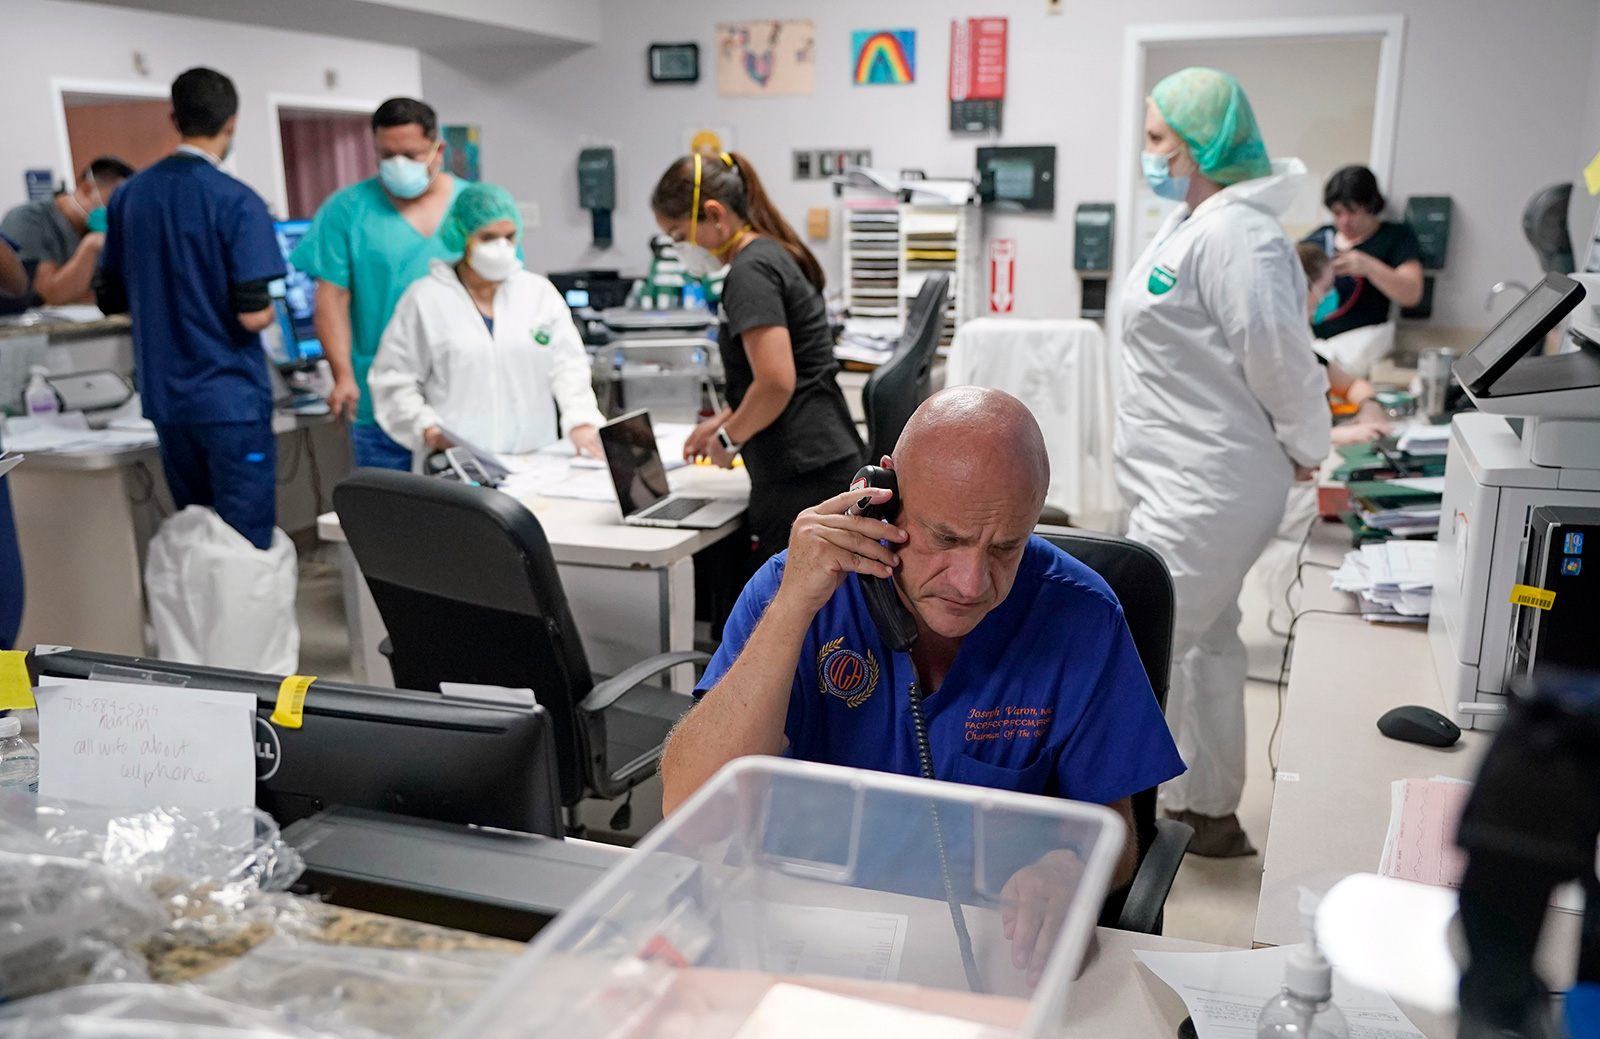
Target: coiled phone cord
x,y
925,758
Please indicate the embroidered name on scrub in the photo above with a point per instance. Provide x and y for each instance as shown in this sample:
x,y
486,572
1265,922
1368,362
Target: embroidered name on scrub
x,y
1008,723
1162,278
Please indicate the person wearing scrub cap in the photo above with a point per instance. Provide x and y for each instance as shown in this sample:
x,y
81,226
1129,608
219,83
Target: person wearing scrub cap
x,y
483,349
1222,408
368,243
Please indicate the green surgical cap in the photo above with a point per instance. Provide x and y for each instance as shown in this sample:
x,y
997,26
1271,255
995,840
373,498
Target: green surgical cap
x,y
1209,110
478,206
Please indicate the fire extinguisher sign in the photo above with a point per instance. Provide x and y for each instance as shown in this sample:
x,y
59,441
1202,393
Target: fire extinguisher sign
x,y
1002,275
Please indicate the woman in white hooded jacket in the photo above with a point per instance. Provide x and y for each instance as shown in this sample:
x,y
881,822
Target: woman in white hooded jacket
x,y
484,349
1222,408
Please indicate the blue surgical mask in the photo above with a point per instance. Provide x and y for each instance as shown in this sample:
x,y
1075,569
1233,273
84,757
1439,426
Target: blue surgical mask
x,y
1158,174
1325,309
404,176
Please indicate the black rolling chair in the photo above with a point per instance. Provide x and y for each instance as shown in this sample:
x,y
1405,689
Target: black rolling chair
x,y
1139,578
903,381
467,587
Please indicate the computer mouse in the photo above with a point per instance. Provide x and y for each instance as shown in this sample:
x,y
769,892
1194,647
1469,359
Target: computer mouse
x,y
1415,724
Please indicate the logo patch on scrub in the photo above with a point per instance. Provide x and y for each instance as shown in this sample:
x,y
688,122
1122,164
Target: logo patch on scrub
x,y
1162,278
541,337
844,673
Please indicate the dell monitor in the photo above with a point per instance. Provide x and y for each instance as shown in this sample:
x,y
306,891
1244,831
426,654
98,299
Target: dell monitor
x,y
408,753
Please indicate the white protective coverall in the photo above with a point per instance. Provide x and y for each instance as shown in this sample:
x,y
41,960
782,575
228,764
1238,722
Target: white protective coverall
x,y
439,365
1221,395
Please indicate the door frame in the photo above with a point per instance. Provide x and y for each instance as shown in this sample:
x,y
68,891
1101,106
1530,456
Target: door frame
x,y
1388,28
61,86
276,103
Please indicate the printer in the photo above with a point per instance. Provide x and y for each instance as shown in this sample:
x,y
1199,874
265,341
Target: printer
x,y
1516,470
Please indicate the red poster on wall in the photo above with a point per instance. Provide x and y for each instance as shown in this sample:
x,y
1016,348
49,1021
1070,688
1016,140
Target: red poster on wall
x,y
978,59
1002,275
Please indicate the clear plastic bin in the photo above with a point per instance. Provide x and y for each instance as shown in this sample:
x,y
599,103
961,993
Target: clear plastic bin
x,y
837,880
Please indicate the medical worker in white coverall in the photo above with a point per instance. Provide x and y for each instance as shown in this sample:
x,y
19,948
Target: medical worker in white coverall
x,y
1223,406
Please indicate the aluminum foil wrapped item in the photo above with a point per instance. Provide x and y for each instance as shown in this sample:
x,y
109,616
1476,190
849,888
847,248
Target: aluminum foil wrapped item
x,y
140,1011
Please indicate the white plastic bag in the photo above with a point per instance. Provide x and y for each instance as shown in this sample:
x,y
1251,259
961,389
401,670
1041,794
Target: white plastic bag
x,y
216,599
1357,350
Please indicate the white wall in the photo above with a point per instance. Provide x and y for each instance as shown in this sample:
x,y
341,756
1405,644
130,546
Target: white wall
x,y
46,39
1492,97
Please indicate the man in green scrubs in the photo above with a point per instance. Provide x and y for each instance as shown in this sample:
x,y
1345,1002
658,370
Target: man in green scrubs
x,y
370,241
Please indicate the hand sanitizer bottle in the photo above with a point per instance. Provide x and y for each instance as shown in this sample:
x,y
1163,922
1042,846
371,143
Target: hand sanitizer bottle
x,y
40,399
1304,1009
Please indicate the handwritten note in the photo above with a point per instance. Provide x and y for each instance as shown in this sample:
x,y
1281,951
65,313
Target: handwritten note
x,y
143,746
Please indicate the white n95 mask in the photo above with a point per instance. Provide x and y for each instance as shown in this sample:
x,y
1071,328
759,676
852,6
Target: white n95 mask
x,y
496,259
699,261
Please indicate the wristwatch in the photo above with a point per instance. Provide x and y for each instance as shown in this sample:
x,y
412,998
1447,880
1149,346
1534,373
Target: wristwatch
x,y
726,441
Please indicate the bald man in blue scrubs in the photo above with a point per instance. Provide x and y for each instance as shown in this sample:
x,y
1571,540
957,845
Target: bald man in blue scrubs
x,y
1029,675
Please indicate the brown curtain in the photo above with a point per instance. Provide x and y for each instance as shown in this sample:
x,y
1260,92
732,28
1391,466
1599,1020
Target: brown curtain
x,y
322,153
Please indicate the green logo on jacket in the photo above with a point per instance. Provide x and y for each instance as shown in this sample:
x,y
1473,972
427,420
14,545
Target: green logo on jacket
x,y
1162,278
541,337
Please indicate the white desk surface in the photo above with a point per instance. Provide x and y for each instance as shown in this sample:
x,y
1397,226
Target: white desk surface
x,y
591,533
1331,799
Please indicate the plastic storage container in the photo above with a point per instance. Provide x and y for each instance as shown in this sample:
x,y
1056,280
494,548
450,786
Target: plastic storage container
x,y
815,894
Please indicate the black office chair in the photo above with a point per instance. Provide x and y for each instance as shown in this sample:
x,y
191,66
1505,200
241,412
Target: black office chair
x,y
467,587
1139,578
903,381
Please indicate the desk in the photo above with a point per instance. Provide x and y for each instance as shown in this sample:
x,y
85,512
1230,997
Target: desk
x,y
1331,799
630,589
85,519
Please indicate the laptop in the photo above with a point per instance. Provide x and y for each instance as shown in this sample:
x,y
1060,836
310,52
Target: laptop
x,y
641,481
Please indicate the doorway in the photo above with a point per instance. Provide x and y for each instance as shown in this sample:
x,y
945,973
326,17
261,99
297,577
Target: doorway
x,y
130,121
1325,91
322,152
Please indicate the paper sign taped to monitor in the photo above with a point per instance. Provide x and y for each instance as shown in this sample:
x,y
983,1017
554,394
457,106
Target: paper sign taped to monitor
x,y
146,746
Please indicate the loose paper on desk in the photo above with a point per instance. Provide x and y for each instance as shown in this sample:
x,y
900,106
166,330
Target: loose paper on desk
x,y
796,1012
789,939
1225,992
8,462
146,746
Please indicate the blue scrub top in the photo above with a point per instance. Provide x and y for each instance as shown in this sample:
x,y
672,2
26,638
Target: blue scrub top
x,y
181,234
1046,695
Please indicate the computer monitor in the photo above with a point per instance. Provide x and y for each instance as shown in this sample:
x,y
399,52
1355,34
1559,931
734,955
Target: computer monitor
x,y
296,299
1519,333
634,461
408,753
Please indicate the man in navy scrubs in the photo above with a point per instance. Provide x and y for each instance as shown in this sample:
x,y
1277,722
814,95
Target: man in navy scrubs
x,y
1029,674
190,253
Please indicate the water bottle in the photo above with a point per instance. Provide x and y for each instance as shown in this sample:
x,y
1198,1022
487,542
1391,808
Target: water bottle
x,y
19,761
1304,1008
40,399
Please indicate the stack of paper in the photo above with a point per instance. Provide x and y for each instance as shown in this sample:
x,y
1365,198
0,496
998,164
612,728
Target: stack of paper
x,y
1424,439
69,433
1405,507
869,339
1393,578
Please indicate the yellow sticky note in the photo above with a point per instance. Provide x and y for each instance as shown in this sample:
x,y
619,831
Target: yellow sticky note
x,y
1591,175
291,701
1527,595
16,691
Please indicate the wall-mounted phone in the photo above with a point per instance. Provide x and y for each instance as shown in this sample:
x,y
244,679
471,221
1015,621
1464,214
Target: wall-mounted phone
x,y
895,623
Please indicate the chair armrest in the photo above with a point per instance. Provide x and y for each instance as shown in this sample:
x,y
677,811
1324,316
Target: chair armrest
x,y
610,691
1148,892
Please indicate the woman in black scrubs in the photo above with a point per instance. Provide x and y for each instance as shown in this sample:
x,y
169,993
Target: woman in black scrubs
x,y
787,417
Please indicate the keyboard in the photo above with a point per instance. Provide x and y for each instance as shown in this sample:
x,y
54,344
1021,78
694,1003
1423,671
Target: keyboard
x,y
675,509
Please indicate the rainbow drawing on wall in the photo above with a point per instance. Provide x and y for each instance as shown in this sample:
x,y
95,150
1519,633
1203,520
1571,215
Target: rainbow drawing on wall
x,y
885,56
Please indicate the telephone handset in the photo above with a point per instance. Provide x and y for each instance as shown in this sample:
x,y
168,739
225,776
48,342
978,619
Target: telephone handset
x,y
895,623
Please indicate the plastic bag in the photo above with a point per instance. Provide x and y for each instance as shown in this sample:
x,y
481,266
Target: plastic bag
x,y
216,599
95,893
356,991
135,1011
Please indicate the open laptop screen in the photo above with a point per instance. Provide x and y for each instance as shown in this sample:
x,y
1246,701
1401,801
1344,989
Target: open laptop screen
x,y
635,463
